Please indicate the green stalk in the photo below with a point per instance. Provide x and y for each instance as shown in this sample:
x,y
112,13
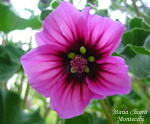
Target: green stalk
x,y
136,8
47,110
57,119
26,94
148,105
106,111
5,40
109,108
79,3
22,79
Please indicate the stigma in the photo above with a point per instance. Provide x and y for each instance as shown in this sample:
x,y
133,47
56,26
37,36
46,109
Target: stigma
x,y
78,64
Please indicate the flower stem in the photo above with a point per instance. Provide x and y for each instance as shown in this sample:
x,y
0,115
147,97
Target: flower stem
x,y
79,3
26,94
106,111
47,109
22,79
136,8
5,40
110,108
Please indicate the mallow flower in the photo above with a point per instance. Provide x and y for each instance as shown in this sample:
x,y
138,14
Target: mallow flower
x,y
72,63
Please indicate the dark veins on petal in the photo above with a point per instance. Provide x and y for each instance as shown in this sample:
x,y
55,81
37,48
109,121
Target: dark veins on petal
x,y
95,74
91,50
74,44
65,60
75,80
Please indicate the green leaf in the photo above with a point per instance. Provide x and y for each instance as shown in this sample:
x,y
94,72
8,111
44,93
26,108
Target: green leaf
x,y
146,18
125,52
146,118
117,54
71,1
16,52
131,51
133,95
146,81
94,105
102,12
136,36
147,43
119,48
99,120
138,22
139,66
8,64
140,50
128,52
11,111
9,61
86,118
55,4
43,4
10,21
82,119
44,14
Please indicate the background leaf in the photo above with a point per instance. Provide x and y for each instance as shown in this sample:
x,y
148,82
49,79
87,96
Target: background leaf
x,y
55,4
102,12
128,52
10,21
11,110
44,14
16,52
8,64
146,118
136,36
139,66
138,23
86,118
147,43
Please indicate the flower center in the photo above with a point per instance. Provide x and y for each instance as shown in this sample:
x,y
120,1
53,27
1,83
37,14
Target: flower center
x,y
78,64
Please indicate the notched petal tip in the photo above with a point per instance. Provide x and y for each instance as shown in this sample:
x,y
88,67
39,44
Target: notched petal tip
x,y
104,35
65,29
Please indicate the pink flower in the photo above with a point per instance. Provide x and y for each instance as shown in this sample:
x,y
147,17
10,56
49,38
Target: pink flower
x,y
72,63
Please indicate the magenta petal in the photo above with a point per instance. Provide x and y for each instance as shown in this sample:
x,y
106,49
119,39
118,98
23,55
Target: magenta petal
x,y
96,96
105,34
86,14
110,78
70,96
44,66
65,26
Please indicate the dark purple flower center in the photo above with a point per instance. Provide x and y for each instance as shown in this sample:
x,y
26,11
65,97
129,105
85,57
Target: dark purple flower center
x,y
78,64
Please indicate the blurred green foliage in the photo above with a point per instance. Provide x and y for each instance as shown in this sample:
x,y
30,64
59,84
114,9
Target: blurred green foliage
x,y
11,111
134,48
9,21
